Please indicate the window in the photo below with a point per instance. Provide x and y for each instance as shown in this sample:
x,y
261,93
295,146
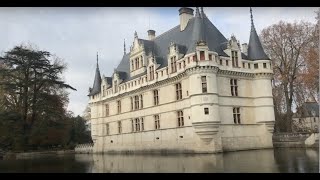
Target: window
x,y
104,91
210,57
220,61
227,63
155,97
115,87
184,64
157,122
167,71
234,87
161,73
234,56
151,71
264,65
136,102
202,56
141,61
173,64
107,109
132,65
132,125
178,91
119,127
180,119
179,65
243,65
314,119
137,121
236,115
142,124
107,129
204,84
141,101
256,65
119,106
194,58
206,110
131,100
249,65
270,66
156,75
188,60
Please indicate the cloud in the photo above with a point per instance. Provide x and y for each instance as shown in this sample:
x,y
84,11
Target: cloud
x,y
75,34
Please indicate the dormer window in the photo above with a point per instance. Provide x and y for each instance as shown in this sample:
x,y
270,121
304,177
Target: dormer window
x,y
202,57
151,72
115,86
234,56
173,64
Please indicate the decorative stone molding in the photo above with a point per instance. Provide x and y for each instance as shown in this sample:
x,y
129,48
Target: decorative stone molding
x,y
263,75
201,69
206,130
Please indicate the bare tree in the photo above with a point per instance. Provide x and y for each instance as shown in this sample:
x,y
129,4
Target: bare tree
x,y
291,47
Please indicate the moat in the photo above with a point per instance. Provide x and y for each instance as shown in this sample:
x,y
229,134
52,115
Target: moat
x,y
283,160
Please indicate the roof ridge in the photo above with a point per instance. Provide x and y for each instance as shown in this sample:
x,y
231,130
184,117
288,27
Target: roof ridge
x,y
166,32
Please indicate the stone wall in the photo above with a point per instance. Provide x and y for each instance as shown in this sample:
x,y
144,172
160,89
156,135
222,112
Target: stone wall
x,y
295,140
84,148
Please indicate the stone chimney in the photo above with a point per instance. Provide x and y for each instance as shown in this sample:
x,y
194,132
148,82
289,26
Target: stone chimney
x,y
185,15
245,48
151,34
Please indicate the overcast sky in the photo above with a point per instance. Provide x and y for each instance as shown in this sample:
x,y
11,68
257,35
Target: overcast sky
x,y
76,34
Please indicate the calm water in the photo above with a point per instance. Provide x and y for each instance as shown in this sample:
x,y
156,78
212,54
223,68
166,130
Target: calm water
x,y
271,160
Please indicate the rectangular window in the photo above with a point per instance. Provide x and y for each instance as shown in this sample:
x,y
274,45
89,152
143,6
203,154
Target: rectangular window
x,y
180,119
151,71
107,129
204,84
236,115
194,58
132,65
234,56
131,102
220,61
210,57
184,64
188,60
179,65
249,65
132,125
227,63
178,91
142,125
107,109
119,127
243,65
270,66
103,90
234,87
206,110
264,65
173,64
141,101
137,121
202,58
161,73
155,97
136,102
115,87
119,106
157,122
256,65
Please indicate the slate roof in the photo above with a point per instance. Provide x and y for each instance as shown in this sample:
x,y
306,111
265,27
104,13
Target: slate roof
x,y
96,88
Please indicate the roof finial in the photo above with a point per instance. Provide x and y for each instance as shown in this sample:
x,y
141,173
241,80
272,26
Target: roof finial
x,y
197,12
124,46
97,59
252,25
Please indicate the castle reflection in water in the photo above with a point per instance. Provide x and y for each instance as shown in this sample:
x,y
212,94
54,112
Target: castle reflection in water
x,y
268,160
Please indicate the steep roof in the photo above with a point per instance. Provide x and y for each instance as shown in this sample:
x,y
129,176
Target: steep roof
x,y
255,49
96,88
198,28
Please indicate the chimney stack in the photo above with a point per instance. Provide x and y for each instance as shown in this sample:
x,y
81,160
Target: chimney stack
x,y
245,48
185,15
151,34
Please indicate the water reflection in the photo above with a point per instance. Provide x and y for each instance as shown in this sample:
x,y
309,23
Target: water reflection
x,y
277,160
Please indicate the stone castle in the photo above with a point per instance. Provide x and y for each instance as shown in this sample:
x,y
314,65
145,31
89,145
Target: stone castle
x,y
188,90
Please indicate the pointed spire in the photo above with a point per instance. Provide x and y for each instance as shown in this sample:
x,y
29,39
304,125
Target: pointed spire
x,y
96,88
251,17
255,49
197,12
124,46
